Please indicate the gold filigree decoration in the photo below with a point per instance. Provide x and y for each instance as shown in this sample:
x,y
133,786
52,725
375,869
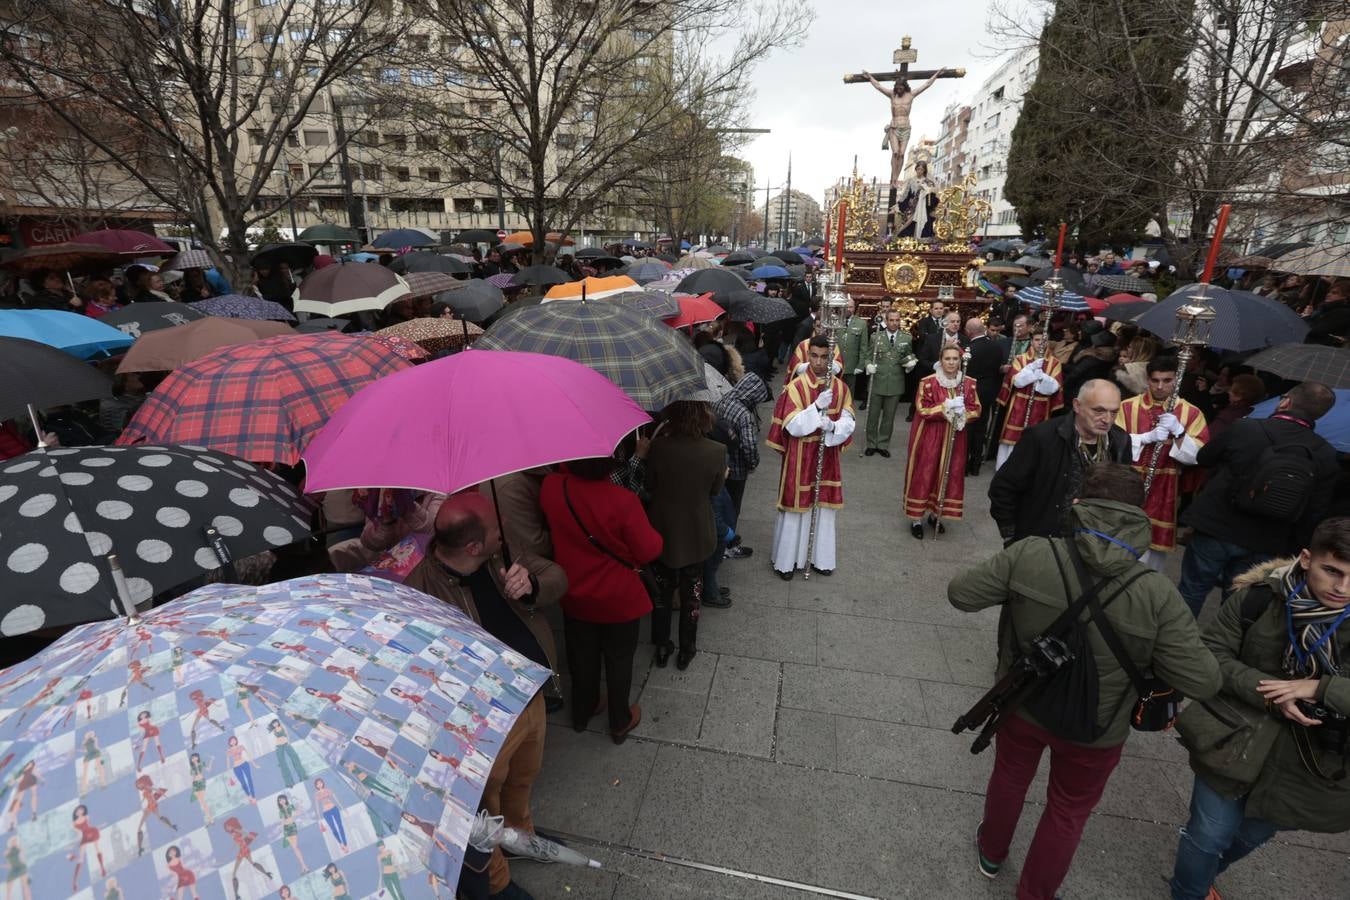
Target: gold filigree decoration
x,y
908,245
960,211
860,229
904,274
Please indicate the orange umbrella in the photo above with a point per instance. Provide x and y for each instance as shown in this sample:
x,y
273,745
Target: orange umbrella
x,y
695,309
592,288
526,239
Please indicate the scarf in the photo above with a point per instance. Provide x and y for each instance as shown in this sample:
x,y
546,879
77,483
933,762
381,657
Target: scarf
x,y
1312,651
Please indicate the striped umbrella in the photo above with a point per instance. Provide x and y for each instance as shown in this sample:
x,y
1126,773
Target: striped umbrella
x,y
592,288
1306,362
262,401
190,259
242,306
653,364
1328,260
338,290
1068,300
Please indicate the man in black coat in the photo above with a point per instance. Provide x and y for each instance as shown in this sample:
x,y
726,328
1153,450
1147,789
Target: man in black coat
x,y
1227,540
986,358
949,333
925,328
1032,493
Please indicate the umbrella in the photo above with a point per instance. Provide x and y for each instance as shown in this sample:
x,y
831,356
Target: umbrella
x,y
766,261
399,238
76,334
637,245
1253,262
477,236
1032,262
1018,281
715,389
711,280
788,256
295,255
168,348
989,287
1127,312
746,305
361,257
504,280
667,258
435,335
329,234
508,247
590,252
408,349
1334,427
1068,300
344,716
1000,246
423,261
37,373
656,304
1275,251
1070,277
767,272
526,239
139,318
1002,268
125,242
1306,362
737,257
190,259
1243,320
474,299
243,306
695,309
689,261
1123,298
1124,283
814,242
69,508
65,257
592,288
647,271
1326,260
426,284
264,400
540,275
316,324
532,409
718,250
652,363
338,290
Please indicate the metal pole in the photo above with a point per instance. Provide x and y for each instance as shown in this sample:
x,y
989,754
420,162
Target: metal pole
x,y
767,182
501,204
290,201
356,214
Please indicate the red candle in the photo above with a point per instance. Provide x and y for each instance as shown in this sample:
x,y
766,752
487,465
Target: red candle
x,y
1219,228
827,238
1059,250
839,237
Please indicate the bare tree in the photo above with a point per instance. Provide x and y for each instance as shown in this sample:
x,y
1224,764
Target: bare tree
x,y
221,91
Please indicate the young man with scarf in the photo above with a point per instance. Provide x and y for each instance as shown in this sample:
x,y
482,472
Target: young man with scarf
x,y
1269,752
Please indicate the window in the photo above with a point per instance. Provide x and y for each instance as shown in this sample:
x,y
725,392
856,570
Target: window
x,y
459,173
642,62
422,77
426,142
486,107
998,94
315,138
642,37
430,175
269,36
300,33
321,172
419,41
256,137
463,205
369,171
292,140
517,41
451,45
401,173
267,2
279,72
241,32
396,142
373,204
454,77
338,35
390,76
566,141
489,204
296,171
332,204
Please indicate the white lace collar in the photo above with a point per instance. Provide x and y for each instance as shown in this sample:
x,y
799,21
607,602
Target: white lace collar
x,y
949,383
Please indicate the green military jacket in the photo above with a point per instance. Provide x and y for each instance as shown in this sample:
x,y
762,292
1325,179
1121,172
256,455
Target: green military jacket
x,y
853,344
889,380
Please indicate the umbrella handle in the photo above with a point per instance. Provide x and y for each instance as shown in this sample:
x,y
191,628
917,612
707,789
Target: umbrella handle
x,y
37,429
496,507
120,588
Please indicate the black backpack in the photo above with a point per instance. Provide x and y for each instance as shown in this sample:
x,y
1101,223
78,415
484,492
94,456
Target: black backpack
x,y
1281,483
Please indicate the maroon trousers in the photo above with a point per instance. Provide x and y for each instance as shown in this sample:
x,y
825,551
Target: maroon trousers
x,y
1078,776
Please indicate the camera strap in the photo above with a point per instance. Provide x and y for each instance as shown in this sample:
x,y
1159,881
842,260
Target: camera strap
x,y
1104,628
1089,591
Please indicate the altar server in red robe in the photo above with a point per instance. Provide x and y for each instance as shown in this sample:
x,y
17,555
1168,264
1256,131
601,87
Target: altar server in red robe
x,y
1034,378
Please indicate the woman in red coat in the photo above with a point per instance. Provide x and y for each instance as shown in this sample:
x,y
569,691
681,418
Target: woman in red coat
x,y
601,537
945,403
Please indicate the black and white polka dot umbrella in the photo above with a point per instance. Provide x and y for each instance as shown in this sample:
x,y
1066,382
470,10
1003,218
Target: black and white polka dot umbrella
x,y
63,511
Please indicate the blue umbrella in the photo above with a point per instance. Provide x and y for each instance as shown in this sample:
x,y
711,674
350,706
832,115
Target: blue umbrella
x,y
1334,426
1243,321
403,237
770,272
242,306
1068,300
644,272
76,334
361,257
989,287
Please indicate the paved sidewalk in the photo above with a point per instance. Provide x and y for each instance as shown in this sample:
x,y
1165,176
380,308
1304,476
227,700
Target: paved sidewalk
x,y
809,741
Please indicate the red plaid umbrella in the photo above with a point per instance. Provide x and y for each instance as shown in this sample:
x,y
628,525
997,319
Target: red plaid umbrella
x,y
262,401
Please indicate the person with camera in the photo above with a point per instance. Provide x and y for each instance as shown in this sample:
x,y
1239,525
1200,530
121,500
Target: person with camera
x,y
1123,619
1271,751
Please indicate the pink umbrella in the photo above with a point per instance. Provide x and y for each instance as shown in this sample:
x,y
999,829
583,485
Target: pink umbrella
x,y
126,243
468,418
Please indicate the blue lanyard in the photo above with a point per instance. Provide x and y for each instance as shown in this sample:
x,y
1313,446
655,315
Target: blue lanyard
x,y
1299,653
1110,540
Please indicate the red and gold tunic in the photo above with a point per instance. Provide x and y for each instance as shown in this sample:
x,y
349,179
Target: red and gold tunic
x,y
1139,415
928,450
1042,407
801,356
797,477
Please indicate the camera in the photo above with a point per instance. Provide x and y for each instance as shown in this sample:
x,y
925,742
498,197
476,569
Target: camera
x,y
1334,732
1048,655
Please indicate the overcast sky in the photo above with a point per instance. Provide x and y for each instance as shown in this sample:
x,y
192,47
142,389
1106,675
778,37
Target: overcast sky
x,y
823,122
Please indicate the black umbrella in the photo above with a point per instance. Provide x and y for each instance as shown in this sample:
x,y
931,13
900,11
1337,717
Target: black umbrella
x,y
1126,284
590,253
297,256
814,242
423,261
66,510
637,245
315,324
1127,312
789,256
1306,362
1019,281
540,275
137,318
477,236
705,280
766,261
1072,278
1274,251
44,376
1000,246
1032,262
1243,320
475,301
719,250
668,257
329,234
738,257
745,305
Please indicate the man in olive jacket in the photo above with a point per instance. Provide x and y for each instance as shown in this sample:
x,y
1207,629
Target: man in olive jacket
x,y
1270,751
853,344
1111,532
890,354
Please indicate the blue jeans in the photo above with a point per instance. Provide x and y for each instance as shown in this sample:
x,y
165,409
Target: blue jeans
x,y
1218,834
724,521
1210,562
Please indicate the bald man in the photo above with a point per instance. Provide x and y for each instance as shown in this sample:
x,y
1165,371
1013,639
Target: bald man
x,y
463,567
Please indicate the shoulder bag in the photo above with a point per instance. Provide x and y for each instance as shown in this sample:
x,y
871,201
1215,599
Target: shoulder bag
x,y
649,582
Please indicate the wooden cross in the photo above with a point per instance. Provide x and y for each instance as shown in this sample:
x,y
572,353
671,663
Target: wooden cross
x,y
902,58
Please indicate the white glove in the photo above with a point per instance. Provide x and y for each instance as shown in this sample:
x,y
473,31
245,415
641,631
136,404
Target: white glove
x,y
1038,364
955,405
858,372
801,367
825,399
1027,376
1046,385
1171,425
913,361
871,368
1157,435
827,426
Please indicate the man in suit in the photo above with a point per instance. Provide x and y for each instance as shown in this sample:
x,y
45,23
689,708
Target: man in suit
x,y
928,326
853,344
986,357
890,354
995,332
949,333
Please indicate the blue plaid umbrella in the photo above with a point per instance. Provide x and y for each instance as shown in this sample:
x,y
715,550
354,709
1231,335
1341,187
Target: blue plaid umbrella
x,y
653,363
242,306
1243,321
76,334
328,731
1068,300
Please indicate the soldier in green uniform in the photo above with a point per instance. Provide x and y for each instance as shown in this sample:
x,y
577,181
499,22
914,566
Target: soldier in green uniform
x,y
853,345
890,354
